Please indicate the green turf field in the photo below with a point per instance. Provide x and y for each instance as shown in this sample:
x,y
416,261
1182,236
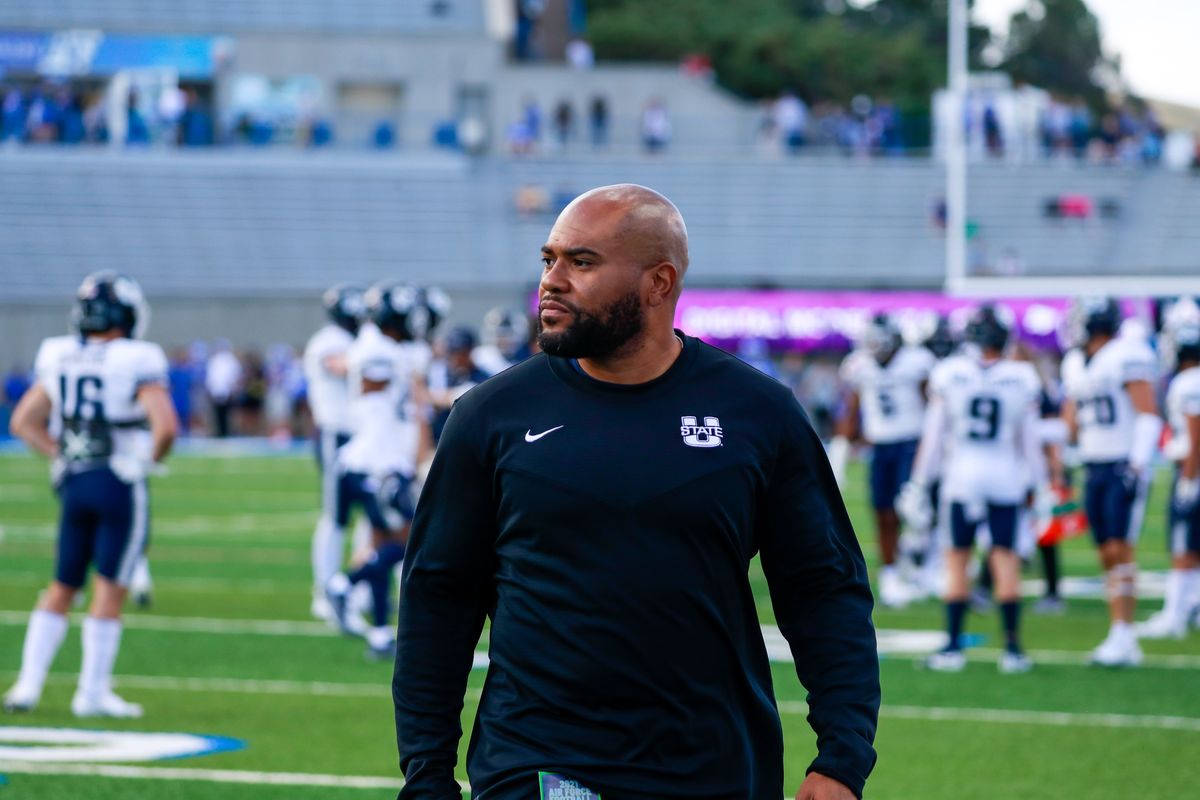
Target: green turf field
x,y
229,650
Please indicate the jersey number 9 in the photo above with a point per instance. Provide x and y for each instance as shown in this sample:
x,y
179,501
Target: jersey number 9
x,y
985,419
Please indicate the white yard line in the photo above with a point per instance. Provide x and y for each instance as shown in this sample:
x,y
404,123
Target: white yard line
x,y
257,522
164,683
776,645
1067,719
205,775
263,627
205,585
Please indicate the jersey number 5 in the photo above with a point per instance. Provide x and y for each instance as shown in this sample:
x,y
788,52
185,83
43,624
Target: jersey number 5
x,y
985,419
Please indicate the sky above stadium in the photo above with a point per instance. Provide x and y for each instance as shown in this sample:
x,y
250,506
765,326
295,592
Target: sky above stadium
x,y
1156,39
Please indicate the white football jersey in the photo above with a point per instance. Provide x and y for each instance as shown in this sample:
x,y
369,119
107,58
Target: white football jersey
x,y
382,442
489,359
93,388
893,407
1104,412
1183,401
987,408
386,432
328,395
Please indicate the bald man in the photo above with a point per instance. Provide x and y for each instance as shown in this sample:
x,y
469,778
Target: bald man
x,y
601,503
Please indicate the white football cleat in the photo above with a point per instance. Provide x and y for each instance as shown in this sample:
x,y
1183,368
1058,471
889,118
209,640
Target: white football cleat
x,y
1117,651
1014,663
20,700
1160,626
893,591
947,661
105,705
321,609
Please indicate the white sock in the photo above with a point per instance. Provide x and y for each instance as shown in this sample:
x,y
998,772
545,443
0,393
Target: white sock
x,y
888,572
43,637
140,583
101,641
1174,601
1121,630
326,551
1191,591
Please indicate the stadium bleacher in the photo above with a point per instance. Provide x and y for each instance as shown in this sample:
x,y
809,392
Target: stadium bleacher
x,y
247,224
235,16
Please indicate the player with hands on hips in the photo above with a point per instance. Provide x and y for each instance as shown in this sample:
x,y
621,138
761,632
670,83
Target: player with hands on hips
x,y
983,423
101,412
1111,411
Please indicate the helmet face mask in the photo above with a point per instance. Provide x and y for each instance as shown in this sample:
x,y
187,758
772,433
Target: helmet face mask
x,y
108,300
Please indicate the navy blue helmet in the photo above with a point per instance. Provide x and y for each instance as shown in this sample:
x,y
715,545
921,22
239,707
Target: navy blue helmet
x,y
882,338
437,306
1094,316
1187,343
461,339
942,341
397,308
987,330
344,305
107,300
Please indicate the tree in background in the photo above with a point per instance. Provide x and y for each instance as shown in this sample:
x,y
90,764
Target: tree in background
x,y
1055,44
834,49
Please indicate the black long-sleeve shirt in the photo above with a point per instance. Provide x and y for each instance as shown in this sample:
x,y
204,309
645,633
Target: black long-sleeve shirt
x,y
607,530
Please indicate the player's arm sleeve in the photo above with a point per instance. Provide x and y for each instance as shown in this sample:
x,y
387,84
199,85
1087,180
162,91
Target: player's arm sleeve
x,y
152,367
44,365
446,591
928,460
822,601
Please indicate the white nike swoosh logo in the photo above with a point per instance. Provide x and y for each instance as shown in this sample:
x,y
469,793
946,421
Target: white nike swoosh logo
x,y
531,437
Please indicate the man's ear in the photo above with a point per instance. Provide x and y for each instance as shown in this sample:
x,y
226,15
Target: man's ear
x,y
663,278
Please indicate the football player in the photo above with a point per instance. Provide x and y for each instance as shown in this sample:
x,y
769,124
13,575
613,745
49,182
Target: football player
x,y
453,375
886,379
920,547
329,399
505,336
983,421
1183,539
376,467
1111,411
101,412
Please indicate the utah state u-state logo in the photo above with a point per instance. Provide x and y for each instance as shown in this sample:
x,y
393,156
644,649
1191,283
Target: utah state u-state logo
x,y
707,435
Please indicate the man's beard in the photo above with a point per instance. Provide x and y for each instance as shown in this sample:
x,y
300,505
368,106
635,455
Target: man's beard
x,y
594,335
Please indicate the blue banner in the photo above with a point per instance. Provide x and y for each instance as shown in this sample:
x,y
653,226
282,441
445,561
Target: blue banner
x,y
82,52
21,51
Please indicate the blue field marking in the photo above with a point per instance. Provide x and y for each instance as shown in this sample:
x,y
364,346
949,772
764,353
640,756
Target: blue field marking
x,y
216,744
44,745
